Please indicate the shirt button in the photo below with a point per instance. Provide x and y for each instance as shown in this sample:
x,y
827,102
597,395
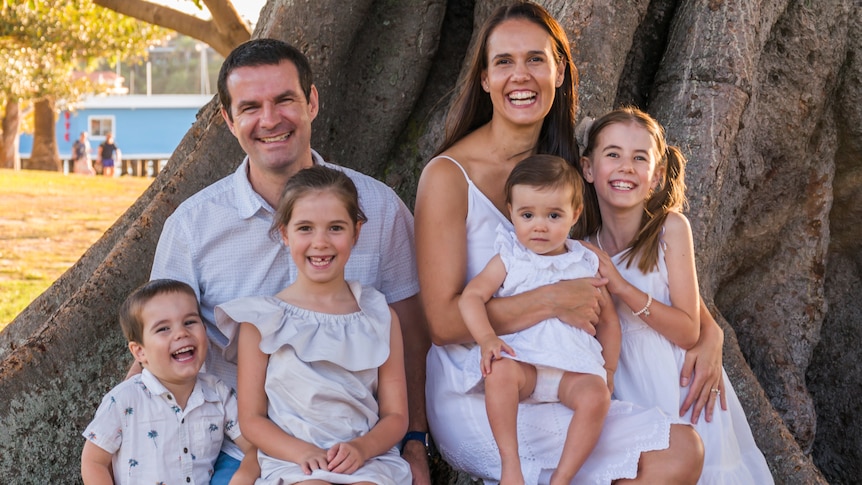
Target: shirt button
x,y
170,398
183,421
185,450
188,479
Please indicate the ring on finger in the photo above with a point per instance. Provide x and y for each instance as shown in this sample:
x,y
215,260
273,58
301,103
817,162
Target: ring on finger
x,y
716,391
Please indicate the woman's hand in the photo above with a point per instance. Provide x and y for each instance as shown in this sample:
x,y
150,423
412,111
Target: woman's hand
x,y
575,302
704,361
344,458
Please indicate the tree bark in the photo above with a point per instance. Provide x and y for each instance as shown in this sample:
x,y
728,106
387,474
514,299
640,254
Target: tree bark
x,y
45,154
9,142
764,98
225,31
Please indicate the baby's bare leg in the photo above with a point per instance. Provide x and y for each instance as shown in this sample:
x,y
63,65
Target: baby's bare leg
x,y
509,383
588,396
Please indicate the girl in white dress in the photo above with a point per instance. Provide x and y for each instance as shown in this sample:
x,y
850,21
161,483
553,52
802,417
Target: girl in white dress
x,y
635,193
550,361
321,384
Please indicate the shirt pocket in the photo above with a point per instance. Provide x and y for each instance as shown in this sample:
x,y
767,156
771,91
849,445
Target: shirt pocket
x,y
208,433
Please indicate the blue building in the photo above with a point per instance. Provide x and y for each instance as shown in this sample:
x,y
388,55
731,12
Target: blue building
x,y
145,128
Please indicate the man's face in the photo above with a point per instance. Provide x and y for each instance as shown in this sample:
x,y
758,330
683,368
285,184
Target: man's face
x,y
272,117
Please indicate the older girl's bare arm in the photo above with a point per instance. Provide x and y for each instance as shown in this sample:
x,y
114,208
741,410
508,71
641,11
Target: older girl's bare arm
x,y
679,323
392,399
254,422
609,334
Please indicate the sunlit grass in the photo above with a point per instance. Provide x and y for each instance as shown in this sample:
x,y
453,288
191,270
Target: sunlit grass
x,y
47,221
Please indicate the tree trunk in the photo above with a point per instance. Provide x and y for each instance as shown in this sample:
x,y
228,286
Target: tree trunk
x,y
9,142
764,99
45,155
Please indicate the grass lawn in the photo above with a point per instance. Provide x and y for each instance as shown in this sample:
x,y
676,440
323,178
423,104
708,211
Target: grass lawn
x,y
47,221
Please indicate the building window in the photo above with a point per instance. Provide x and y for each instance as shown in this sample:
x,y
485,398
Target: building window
x,y
100,126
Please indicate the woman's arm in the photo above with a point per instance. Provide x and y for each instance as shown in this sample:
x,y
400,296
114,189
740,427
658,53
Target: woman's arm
x,y
441,251
96,468
256,426
704,360
679,323
392,398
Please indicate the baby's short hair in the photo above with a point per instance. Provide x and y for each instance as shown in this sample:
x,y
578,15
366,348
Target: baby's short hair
x,y
543,171
130,310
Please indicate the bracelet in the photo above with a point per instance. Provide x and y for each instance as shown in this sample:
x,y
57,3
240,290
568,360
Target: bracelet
x,y
645,310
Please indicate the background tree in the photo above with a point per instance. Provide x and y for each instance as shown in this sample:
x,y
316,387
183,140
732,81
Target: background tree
x,y
43,42
223,32
763,97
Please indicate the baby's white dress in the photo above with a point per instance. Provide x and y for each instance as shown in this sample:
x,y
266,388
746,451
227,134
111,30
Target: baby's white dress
x,y
321,381
550,343
648,374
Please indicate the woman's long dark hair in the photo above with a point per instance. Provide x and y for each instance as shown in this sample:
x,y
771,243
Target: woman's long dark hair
x,y
472,106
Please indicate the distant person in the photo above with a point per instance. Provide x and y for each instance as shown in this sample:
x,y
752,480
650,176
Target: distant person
x,y
166,424
81,162
109,155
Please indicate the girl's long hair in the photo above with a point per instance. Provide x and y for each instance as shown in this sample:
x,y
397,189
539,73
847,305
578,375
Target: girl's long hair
x,y
668,196
472,106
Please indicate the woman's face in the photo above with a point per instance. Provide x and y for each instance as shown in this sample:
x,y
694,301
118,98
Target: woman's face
x,y
523,71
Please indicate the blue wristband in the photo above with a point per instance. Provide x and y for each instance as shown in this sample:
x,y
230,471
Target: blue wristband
x,y
421,436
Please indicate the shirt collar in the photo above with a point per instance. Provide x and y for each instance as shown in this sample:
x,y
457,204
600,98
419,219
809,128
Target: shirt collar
x,y
250,202
199,394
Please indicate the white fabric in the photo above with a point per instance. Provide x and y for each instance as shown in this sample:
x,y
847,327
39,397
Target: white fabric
x,y
648,374
550,343
220,242
321,380
459,423
153,440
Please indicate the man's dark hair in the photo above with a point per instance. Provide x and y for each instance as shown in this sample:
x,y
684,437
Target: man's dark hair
x,y
262,52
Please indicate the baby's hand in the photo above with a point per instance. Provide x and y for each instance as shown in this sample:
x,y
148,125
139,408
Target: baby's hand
x,y
344,458
313,458
492,349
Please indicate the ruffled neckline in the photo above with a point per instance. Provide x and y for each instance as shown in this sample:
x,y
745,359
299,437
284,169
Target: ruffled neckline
x,y
509,248
355,341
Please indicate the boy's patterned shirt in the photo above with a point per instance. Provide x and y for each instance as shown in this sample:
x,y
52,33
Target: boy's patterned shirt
x,y
153,440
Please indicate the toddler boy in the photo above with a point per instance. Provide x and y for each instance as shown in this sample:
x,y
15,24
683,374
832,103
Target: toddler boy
x,y
165,425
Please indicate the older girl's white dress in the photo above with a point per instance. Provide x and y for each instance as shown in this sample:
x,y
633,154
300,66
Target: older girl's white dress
x,y
321,381
459,423
648,374
550,343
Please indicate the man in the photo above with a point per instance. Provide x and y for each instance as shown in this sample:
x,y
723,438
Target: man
x,y
219,240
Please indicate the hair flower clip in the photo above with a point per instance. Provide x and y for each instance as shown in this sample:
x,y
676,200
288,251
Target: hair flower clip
x,y
582,133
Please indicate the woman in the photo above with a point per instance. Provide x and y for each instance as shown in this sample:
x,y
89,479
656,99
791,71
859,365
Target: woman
x,y
518,98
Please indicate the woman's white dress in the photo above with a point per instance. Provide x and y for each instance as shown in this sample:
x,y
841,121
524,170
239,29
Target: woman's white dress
x,y
321,380
459,423
648,374
550,343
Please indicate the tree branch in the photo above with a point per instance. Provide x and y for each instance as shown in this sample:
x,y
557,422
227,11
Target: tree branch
x,y
228,22
203,30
